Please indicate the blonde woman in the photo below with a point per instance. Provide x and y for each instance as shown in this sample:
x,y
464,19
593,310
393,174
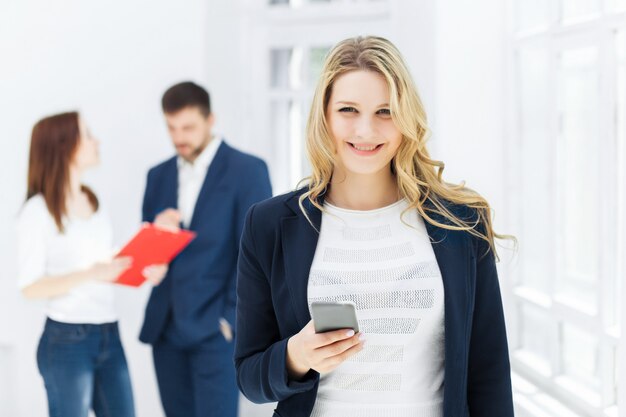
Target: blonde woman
x,y
376,225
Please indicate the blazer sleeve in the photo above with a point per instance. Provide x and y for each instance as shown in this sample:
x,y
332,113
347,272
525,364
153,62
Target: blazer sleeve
x,y
258,189
489,373
260,352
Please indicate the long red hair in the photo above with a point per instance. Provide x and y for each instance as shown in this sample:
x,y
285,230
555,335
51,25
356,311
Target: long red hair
x,y
53,144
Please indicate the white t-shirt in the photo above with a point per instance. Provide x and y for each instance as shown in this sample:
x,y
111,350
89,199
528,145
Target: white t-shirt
x,y
389,271
42,251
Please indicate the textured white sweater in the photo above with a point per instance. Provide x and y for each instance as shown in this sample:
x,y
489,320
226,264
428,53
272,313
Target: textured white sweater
x,y
386,266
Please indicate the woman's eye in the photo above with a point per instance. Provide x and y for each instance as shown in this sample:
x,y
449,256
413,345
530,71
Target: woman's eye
x,y
385,112
347,110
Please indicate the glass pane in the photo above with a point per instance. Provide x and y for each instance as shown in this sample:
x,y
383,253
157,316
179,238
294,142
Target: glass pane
x,y
534,92
316,62
580,357
618,365
279,67
579,9
298,3
621,140
615,379
286,68
287,130
304,160
618,5
279,129
532,14
577,177
296,143
536,333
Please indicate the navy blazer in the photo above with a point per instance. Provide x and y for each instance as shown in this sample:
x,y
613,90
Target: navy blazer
x,y
199,287
277,249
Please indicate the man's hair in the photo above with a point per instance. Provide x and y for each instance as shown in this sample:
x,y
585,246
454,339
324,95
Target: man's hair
x,y
186,94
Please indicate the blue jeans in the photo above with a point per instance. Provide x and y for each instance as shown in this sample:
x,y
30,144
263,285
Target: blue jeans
x,y
83,367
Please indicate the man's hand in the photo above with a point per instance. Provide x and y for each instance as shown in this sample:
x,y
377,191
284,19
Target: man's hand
x,y
154,274
168,219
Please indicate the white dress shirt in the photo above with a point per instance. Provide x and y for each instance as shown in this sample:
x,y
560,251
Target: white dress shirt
x,y
191,176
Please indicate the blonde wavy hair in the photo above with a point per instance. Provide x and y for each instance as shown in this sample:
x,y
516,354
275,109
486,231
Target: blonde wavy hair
x,y
419,178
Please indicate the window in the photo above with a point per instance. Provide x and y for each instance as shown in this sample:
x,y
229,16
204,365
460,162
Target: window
x,y
618,5
575,10
301,3
293,74
290,39
532,14
620,52
577,179
570,103
534,61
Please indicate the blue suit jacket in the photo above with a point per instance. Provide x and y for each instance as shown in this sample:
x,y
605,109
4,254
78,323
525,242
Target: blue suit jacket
x,y
200,285
277,249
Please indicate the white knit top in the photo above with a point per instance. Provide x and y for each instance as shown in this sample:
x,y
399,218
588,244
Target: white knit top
x,y
385,265
43,251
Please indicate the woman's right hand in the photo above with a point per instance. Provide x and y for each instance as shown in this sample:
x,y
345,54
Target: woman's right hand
x,y
322,352
109,271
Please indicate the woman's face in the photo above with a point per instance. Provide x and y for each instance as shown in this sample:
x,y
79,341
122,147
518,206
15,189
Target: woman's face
x,y
360,123
87,154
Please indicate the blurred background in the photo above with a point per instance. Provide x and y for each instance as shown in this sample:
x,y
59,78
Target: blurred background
x,y
526,101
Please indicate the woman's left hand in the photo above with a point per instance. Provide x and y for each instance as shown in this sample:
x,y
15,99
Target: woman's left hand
x,y
154,274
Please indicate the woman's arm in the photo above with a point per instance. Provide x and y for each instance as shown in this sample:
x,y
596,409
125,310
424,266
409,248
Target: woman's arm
x,y
260,352
54,286
270,367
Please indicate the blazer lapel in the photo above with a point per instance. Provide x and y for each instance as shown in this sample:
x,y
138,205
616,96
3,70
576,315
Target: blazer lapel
x,y
169,187
214,175
452,250
299,241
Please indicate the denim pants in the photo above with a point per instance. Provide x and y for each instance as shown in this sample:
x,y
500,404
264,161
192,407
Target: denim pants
x,y
83,367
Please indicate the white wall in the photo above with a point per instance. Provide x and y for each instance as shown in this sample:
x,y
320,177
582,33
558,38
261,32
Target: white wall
x,y
469,129
112,61
469,133
471,109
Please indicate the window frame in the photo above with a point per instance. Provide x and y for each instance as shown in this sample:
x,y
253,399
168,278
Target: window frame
x,y
558,36
307,26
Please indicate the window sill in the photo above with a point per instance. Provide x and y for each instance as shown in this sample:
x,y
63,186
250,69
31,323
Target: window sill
x,y
531,401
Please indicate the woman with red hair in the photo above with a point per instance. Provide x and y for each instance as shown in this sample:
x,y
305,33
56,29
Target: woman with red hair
x,y
65,256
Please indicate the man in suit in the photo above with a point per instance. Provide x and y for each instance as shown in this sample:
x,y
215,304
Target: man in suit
x,y
207,188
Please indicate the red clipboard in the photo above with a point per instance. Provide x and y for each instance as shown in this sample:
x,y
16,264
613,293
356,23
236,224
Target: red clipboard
x,y
151,246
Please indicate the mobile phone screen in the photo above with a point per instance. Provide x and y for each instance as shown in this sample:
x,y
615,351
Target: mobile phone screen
x,y
328,316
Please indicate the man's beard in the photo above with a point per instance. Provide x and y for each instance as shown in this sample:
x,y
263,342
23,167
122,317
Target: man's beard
x,y
198,150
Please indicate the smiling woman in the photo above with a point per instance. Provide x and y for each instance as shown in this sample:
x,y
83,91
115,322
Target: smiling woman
x,y
365,138
376,226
